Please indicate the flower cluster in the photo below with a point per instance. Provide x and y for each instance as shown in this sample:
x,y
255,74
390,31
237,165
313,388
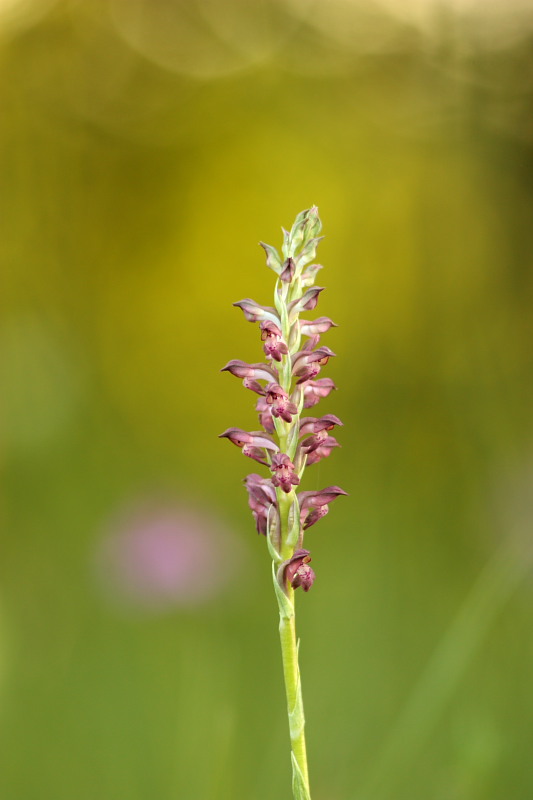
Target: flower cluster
x,y
286,384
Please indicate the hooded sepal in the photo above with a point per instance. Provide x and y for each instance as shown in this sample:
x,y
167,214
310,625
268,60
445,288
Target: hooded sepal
x,y
256,313
317,424
261,372
319,429
317,326
315,505
307,302
253,444
307,364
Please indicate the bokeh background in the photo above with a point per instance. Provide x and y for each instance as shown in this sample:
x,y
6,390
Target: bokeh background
x,y
146,146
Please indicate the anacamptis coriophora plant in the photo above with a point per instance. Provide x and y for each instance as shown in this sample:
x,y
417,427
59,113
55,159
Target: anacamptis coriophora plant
x,y
287,382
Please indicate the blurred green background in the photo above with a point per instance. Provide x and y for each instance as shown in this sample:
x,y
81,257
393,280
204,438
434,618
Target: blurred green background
x,y
146,146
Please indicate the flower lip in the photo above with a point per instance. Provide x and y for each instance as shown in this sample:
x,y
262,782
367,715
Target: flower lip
x,y
278,399
274,345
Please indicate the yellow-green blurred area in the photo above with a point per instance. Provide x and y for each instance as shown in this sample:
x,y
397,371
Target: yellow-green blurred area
x,y
146,146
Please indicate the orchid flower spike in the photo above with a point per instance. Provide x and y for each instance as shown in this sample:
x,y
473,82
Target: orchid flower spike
x,y
286,383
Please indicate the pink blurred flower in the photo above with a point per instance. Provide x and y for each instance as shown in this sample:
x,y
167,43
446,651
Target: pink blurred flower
x,y
160,556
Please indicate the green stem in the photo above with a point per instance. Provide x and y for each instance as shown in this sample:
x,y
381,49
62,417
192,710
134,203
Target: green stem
x,y
293,689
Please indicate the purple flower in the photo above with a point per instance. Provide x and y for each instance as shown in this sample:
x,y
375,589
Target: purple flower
x,y
241,369
306,364
284,475
256,313
316,424
315,505
320,325
252,444
319,429
261,498
314,391
274,346
297,572
279,402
